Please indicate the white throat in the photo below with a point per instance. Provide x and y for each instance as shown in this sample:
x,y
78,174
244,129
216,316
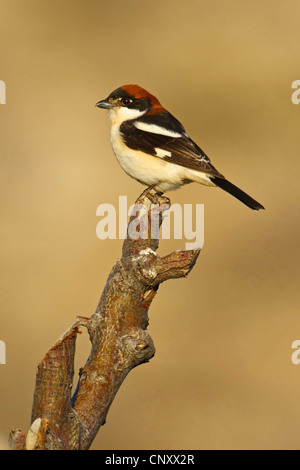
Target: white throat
x,y
119,114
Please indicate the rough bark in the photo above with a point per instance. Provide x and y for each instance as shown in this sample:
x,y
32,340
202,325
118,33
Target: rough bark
x,y
119,341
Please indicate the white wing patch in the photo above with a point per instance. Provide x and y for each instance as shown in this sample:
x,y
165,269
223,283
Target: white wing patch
x,y
154,129
162,153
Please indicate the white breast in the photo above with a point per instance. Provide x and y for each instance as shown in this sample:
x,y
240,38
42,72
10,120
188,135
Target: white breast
x,y
150,170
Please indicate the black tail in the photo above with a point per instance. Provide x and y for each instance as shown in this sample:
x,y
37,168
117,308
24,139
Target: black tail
x,y
236,192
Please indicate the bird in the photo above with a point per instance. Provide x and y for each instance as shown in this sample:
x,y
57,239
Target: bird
x,y
152,146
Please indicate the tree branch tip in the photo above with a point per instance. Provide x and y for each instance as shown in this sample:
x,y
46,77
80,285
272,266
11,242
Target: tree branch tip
x,y
72,331
83,321
189,255
196,251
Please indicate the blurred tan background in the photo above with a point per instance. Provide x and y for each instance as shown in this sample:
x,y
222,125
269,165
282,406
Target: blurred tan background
x,y
222,377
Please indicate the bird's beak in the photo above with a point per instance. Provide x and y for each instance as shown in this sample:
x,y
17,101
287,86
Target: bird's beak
x,y
105,104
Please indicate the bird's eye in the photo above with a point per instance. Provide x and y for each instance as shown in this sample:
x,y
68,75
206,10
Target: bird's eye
x,y
126,101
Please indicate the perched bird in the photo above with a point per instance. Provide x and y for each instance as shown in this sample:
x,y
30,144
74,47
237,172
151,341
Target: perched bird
x,y
152,146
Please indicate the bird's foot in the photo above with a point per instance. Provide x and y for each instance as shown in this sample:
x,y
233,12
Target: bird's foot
x,y
154,196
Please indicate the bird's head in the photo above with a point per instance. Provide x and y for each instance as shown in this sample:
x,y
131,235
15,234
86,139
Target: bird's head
x,y
129,102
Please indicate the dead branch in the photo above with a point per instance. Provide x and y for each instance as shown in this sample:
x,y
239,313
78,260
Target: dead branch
x,y
119,341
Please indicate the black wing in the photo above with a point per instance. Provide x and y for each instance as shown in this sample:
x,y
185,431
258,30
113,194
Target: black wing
x,y
181,150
